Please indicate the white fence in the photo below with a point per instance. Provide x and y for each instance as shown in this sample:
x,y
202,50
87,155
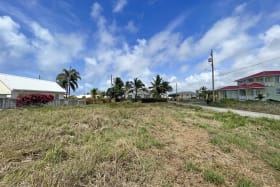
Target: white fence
x,y
7,103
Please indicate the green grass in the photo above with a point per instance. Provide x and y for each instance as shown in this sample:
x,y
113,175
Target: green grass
x,y
145,140
190,166
256,106
246,183
213,177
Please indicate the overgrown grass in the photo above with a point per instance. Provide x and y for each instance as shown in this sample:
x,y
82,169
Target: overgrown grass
x,y
134,144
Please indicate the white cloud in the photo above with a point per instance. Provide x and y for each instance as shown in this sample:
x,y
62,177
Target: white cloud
x,y
96,10
43,51
131,27
119,5
240,8
55,50
14,45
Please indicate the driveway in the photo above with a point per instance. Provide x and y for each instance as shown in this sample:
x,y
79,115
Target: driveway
x,y
239,112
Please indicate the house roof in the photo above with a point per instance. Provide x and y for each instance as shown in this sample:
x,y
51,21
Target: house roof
x,y
252,85
243,86
260,74
229,88
13,82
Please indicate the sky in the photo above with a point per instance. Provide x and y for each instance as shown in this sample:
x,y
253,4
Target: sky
x,y
140,39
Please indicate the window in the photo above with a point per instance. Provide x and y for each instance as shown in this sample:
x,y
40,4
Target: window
x,y
259,79
251,80
268,79
278,91
277,78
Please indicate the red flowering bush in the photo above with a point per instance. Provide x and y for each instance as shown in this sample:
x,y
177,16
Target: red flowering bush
x,y
34,99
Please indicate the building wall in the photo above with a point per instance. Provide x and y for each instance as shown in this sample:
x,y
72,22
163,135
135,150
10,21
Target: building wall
x,y
270,80
4,91
228,94
273,92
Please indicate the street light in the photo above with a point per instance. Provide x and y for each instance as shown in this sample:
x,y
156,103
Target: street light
x,y
210,59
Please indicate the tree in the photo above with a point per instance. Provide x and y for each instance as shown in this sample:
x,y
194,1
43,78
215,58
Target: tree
x,y
136,85
68,79
159,86
94,92
117,90
204,93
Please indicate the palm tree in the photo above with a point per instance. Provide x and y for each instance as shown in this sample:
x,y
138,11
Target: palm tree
x,y
159,86
117,90
136,85
128,86
94,92
68,79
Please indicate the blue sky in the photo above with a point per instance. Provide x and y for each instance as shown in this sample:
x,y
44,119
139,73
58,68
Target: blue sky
x,y
140,38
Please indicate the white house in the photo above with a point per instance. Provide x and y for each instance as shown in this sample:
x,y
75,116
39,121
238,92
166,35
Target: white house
x,y
140,94
12,86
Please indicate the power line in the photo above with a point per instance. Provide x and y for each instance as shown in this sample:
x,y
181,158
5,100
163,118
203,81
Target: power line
x,y
249,66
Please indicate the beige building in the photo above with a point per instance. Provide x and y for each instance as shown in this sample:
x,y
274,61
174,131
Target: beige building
x,y
12,86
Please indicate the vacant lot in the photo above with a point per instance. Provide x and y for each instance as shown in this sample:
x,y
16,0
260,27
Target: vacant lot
x,y
136,145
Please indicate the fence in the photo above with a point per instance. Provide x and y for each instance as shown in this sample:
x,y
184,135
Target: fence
x,y
7,103
63,102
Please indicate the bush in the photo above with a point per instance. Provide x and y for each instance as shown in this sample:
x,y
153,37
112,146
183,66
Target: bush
x,y
89,101
153,100
34,99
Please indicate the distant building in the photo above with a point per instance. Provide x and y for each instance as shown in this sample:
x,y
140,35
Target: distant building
x,y
140,94
13,86
266,84
186,95
83,96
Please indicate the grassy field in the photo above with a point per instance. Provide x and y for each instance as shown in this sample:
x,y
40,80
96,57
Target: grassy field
x,y
134,144
269,107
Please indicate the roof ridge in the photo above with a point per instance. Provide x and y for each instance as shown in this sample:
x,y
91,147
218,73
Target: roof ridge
x,y
23,77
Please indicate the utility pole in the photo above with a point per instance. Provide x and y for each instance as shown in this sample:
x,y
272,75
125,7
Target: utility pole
x,y
176,93
212,65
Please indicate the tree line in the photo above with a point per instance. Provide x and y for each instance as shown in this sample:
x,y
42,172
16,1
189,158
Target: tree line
x,y
68,79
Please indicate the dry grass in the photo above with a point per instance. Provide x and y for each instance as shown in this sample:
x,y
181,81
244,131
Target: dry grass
x,y
133,144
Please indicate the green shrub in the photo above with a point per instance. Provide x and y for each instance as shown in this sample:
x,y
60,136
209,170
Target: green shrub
x,y
153,100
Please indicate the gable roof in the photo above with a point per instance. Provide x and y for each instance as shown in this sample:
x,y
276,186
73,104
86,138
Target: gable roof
x,y
29,84
260,74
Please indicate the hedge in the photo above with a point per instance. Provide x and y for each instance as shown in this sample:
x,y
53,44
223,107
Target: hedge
x,y
153,100
34,99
